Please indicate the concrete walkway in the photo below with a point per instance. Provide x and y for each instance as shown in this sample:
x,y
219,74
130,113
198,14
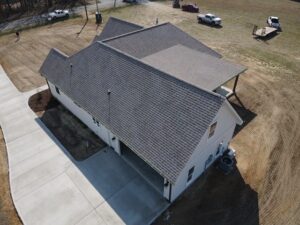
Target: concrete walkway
x,y
48,187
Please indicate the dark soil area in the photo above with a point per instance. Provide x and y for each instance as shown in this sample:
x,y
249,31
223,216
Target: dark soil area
x,y
42,101
214,198
75,136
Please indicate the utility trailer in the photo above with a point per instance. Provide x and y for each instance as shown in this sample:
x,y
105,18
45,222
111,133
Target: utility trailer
x,y
264,32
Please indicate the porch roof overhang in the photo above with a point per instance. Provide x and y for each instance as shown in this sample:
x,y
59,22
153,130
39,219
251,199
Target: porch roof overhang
x,y
193,67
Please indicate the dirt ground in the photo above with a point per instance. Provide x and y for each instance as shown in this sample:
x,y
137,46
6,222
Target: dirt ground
x,y
76,137
8,215
265,188
42,101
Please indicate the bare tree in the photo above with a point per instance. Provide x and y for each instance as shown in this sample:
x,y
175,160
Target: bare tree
x,y
8,6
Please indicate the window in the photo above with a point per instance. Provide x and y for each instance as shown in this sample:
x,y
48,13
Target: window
x,y
190,175
57,90
209,161
212,129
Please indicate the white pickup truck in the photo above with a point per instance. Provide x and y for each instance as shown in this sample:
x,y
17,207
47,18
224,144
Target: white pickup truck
x,y
209,19
58,14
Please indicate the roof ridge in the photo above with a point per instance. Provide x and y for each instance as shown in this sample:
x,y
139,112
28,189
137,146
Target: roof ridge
x,y
60,52
161,72
50,54
136,31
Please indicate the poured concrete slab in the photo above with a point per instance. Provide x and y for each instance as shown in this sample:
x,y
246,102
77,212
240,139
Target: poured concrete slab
x,y
84,185
92,219
38,176
34,161
136,203
26,146
58,202
107,171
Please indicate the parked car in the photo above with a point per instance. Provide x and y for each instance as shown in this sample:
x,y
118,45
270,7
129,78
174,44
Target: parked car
x,y
58,13
273,21
190,8
129,1
209,19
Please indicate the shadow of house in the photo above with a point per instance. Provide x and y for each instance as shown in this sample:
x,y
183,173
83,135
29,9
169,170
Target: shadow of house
x,y
246,115
215,198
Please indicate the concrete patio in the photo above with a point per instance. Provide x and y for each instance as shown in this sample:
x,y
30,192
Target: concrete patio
x,y
49,187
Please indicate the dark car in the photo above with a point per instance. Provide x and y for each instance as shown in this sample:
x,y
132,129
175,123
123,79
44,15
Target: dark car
x,y
190,8
129,1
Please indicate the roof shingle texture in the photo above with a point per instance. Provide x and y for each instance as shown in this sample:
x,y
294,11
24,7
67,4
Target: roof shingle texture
x,y
154,39
159,117
115,27
194,67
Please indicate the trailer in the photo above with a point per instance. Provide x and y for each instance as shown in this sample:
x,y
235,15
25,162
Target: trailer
x,y
264,32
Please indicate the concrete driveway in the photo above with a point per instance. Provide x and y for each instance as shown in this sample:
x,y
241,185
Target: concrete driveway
x,y
48,187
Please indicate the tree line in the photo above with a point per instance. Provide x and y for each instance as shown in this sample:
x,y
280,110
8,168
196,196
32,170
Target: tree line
x,y
9,8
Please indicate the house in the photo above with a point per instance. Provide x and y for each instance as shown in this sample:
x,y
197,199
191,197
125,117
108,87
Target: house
x,y
154,95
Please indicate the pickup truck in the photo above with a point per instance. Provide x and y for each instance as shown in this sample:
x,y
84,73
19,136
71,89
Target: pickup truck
x,y
209,19
58,14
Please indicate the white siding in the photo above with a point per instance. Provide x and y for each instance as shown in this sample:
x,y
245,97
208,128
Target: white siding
x,y
86,118
226,123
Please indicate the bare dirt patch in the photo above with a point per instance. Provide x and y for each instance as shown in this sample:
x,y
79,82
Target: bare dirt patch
x,y
76,137
41,102
8,214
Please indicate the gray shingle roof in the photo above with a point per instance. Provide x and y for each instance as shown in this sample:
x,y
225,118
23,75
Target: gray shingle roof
x,y
161,118
115,27
154,39
194,67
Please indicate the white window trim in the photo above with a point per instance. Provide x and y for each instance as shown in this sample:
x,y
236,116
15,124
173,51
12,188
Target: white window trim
x,y
188,181
209,135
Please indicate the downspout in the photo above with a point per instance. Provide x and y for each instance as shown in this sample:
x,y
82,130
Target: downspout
x,y
170,192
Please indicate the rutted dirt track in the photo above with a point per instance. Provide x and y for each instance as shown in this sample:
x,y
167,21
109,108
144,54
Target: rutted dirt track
x,y
265,188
